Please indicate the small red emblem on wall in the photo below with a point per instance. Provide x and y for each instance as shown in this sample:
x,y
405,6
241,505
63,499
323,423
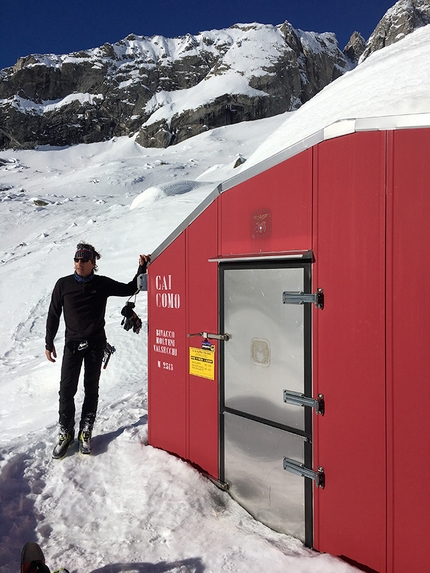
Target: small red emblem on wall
x,y
261,224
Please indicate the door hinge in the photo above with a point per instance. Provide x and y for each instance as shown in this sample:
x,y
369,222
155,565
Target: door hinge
x,y
299,469
209,336
317,298
297,399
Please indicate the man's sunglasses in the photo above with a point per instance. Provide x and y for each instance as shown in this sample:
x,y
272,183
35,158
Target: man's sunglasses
x,y
81,260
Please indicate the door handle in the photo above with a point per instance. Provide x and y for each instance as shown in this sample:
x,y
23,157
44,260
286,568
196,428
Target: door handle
x,y
209,336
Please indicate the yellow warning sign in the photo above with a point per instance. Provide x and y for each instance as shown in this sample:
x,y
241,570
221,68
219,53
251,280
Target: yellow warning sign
x,y
202,362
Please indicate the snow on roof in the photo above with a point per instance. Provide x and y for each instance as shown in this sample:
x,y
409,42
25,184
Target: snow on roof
x,y
394,81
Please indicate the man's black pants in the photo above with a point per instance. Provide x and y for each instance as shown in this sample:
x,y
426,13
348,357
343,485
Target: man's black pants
x,y
92,357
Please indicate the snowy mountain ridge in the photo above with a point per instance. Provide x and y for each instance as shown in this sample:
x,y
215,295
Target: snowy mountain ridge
x,y
166,90
218,77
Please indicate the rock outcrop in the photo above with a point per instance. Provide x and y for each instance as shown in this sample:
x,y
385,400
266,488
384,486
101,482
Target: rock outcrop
x,y
355,48
399,21
164,90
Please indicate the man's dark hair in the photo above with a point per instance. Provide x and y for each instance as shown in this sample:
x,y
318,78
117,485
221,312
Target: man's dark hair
x,y
89,247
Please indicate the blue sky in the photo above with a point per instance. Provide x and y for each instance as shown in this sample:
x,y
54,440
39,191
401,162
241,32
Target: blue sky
x,y
59,27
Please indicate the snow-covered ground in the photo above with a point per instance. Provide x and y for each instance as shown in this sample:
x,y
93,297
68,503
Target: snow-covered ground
x,y
130,507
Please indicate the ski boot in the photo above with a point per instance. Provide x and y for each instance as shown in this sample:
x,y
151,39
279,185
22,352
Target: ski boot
x,y
85,432
33,560
65,439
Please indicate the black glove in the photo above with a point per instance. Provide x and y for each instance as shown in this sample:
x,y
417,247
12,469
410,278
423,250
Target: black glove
x,y
142,268
130,320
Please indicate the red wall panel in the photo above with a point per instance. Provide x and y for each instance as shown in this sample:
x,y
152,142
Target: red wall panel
x,y
202,302
349,346
167,351
408,276
270,212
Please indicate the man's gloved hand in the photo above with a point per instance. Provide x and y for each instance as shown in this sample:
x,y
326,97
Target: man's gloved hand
x,y
143,262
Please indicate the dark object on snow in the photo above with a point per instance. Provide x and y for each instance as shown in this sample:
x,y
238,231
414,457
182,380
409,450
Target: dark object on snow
x,y
33,560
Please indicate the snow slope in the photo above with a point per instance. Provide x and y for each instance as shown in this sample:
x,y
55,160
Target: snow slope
x,y
130,507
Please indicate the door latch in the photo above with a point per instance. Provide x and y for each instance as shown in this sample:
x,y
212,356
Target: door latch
x,y
299,469
301,298
209,336
297,399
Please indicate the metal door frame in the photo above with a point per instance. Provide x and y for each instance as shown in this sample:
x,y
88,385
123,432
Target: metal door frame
x,y
306,264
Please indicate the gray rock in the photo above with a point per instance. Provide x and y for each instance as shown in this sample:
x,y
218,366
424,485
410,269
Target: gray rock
x,y
400,20
355,48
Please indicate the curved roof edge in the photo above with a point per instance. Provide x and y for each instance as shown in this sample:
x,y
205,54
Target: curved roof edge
x,y
337,129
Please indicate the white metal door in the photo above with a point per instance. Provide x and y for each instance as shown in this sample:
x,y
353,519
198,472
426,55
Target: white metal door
x,y
266,355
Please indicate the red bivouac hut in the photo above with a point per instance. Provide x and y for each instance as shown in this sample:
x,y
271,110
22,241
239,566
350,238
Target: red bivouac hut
x,y
289,335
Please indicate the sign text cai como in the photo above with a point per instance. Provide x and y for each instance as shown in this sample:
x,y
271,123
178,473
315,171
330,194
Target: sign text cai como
x,y
164,296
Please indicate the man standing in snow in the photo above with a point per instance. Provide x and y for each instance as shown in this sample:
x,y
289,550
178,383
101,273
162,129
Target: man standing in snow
x,y
82,297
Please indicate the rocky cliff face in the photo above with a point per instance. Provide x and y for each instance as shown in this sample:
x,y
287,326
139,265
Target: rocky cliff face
x,y
165,90
355,47
399,21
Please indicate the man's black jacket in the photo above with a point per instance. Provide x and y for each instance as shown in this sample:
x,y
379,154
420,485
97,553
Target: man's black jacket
x,y
84,306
